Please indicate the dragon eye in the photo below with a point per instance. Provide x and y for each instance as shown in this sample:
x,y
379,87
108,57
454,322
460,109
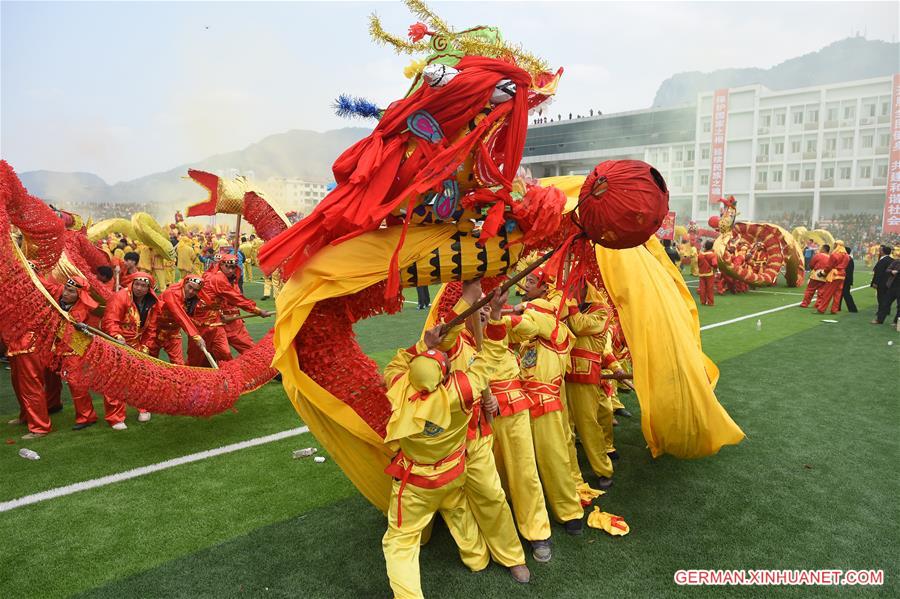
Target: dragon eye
x,y
503,91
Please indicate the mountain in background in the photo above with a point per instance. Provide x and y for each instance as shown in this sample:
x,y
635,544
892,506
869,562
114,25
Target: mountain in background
x,y
299,154
845,60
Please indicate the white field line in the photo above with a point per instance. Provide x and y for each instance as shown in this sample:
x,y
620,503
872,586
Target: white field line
x,y
196,457
763,313
144,470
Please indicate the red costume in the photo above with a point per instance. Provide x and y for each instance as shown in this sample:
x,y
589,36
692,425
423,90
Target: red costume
x,y
817,263
166,321
31,372
707,263
124,319
217,292
834,287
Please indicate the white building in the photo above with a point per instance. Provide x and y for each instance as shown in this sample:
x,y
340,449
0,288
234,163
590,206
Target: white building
x,y
803,155
292,194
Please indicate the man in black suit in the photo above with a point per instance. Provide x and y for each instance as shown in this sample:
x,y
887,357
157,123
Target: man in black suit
x,y
890,283
879,278
848,284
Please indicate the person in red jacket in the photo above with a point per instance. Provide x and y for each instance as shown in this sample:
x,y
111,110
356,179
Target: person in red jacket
x,y
170,316
235,330
30,368
126,319
218,291
835,273
817,266
707,263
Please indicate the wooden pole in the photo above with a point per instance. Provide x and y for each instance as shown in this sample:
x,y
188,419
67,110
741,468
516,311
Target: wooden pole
x,y
237,235
478,334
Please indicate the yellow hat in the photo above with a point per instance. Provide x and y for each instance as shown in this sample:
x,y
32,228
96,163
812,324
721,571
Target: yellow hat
x,y
427,370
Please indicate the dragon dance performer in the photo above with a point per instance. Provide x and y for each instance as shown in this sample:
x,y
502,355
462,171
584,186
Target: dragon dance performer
x,y
544,351
590,397
30,368
170,316
817,266
126,318
235,330
483,487
186,257
431,405
707,263
835,272
217,291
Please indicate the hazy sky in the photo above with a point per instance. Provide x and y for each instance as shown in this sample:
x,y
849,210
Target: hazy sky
x,y
127,89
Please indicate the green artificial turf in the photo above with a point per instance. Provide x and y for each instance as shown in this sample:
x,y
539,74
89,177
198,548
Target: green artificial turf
x,y
813,486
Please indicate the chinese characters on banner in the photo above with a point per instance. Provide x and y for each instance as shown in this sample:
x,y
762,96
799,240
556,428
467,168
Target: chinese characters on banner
x,y
667,229
717,150
891,222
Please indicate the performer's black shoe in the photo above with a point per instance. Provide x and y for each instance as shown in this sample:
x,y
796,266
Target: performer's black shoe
x,y
277,377
55,409
83,425
622,412
264,298
574,527
604,482
613,455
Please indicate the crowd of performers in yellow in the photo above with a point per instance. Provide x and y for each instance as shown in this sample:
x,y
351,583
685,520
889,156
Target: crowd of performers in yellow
x,y
472,422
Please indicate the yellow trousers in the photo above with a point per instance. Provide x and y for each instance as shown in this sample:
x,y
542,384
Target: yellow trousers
x,y
272,285
401,544
488,503
615,403
514,450
552,437
586,403
248,271
161,276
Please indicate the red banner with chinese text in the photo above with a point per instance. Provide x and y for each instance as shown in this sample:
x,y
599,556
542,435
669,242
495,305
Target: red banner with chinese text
x,y
890,224
717,148
667,229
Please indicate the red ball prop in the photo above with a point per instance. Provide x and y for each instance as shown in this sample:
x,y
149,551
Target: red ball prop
x,y
713,221
622,203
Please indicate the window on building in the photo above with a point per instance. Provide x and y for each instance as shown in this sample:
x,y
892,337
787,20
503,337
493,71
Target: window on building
x,y
704,153
689,155
765,121
846,143
832,114
828,173
881,171
869,109
810,145
813,116
779,148
884,139
885,108
794,174
849,112
704,179
795,147
865,172
845,172
664,156
764,149
831,144
761,176
707,126
779,119
868,141
689,181
776,176
797,118
679,155
809,174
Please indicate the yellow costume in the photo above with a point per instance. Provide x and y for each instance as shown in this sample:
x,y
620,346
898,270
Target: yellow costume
x,y
430,419
590,397
247,249
159,266
544,353
186,256
145,263
272,284
483,488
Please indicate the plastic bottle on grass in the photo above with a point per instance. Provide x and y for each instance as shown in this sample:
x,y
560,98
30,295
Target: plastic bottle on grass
x,y
758,324
29,454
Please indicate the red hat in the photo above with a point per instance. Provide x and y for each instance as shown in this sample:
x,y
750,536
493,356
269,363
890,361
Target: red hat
x,y
84,291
